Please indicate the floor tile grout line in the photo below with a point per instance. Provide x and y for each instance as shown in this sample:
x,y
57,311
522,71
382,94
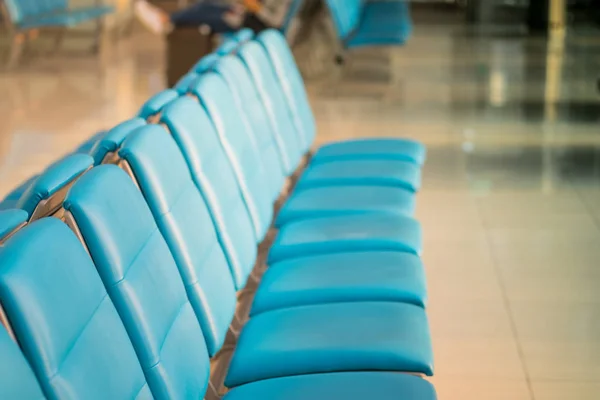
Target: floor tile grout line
x,y
505,300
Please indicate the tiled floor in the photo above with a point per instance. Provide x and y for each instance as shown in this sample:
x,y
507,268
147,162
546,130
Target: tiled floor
x,y
511,200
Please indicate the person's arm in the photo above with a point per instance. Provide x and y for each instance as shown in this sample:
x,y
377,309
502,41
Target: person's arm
x,y
271,12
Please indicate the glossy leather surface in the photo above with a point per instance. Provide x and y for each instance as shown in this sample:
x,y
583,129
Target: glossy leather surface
x,y
338,386
57,176
345,200
382,23
240,148
186,224
205,63
156,103
86,147
342,277
259,124
10,220
288,75
361,336
182,86
214,177
63,318
396,173
375,148
12,198
111,142
17,380
346,15
143,281
347,233
286,133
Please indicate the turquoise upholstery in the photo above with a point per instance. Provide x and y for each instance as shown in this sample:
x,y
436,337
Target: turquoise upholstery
x,y
346,15
205,63
378,149
86,147
350,172
243,35
345,200
156,103
186,224
110,143
342,277
289,77
143,281
383,23
215,179
12,198
282,60
66,324
10,220
17,380
397,173
28,14
338,386
258,122
53,179
370,23
359,336
241,149
376,231
286,134
183,85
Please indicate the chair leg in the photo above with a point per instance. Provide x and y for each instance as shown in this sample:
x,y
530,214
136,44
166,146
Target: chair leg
x,y
17,46
58,40
98,35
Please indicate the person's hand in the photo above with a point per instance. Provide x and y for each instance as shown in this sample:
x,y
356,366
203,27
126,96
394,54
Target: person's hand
x,y
253,6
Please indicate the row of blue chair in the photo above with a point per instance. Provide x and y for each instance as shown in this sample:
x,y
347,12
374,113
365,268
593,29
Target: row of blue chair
x,y
23,16
204,241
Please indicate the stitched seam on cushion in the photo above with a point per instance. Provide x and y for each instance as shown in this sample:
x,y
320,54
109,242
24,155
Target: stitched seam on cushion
x,y
134,259
164,339
77,336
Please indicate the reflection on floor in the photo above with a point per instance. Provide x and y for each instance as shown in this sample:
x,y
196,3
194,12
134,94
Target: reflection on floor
x,y
511,200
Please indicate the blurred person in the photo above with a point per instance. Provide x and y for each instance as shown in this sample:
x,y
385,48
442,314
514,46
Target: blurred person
x,y
220,18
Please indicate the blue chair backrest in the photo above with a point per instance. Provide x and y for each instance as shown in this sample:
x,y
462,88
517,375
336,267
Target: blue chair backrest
x,y
261,72
142,280
293,11
182,86
258,122
243,35
17,380
185,223
46,193
12,198
87,146
155,104
20,10
61,315
217,99
105,150
346,15
11,220
205,63
213,175
284,65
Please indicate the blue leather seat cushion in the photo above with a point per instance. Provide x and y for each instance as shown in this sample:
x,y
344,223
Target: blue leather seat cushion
x,y
342,277
382,23
347,233
402,174
362,336
11,219
338,386
344,200
377,148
